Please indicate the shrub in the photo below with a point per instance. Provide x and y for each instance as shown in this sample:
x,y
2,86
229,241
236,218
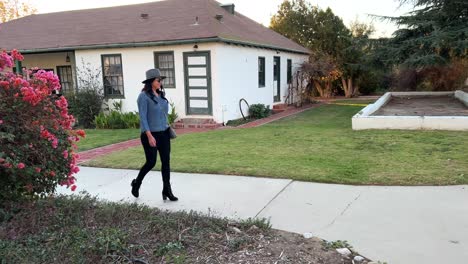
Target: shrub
x,y
117,120
36,140
85,105
87,101
434,78
172,117
258,111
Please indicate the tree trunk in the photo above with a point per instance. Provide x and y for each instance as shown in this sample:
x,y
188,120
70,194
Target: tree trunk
x,y
345,85
319,88
349,89
328,89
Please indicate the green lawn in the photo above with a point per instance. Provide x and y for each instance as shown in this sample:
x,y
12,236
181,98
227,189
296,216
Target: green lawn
x,y
318,145
102,137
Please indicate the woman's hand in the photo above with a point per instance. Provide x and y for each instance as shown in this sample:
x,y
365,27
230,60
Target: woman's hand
x,y
151,139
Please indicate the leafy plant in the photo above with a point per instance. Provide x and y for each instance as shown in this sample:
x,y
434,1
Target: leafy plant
x,y
337,244
261,223
88,100
117,120
172,117
236,243
258,111
170,247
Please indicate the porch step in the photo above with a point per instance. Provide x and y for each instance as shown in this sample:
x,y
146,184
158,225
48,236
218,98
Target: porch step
x,y
197,123
278,108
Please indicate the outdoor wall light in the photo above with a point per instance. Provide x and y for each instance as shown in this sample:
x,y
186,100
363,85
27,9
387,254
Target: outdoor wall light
x,y
195,47
67,59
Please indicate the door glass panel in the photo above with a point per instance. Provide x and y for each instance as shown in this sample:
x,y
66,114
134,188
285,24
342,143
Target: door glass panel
x,y
199,103
196,60
198,82
197,71
198,93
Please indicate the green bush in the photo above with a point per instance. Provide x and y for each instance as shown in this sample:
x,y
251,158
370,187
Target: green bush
x,y
258,111
85,104
172,115
117,120
373,82
87,101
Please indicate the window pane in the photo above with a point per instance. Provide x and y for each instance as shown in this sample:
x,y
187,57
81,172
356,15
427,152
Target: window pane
x,y
66,79
165,63
112,75
261,72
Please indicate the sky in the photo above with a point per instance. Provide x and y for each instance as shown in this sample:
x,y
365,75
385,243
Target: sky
x,y
262,10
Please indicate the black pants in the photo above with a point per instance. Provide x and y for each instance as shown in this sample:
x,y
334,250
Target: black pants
x,y
163,146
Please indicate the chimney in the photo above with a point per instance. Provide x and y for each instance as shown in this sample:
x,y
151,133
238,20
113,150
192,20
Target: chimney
x,y
229,8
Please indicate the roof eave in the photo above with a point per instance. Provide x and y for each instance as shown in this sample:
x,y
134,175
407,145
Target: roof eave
x,y
161,43
265,46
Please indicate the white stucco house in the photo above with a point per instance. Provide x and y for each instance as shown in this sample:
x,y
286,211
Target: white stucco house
x,y
213,56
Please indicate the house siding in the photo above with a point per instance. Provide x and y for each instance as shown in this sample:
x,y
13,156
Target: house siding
x,y
234,72
135,62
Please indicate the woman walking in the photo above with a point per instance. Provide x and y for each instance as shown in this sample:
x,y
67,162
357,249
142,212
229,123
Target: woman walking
x,y
153,108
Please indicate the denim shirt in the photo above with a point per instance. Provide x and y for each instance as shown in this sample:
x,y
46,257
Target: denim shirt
x,y
153,116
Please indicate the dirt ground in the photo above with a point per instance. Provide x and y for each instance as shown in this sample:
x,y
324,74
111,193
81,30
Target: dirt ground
x,y
284,247
83,230
423,106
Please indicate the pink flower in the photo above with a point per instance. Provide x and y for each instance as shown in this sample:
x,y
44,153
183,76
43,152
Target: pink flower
x,y
20,165
16,55
73,188
1,121
75,169
52,173
38,170
6,61
54,143
81,133
65,154
4,84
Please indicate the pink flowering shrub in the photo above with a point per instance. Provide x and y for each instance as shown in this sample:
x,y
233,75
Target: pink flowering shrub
x,y
37,143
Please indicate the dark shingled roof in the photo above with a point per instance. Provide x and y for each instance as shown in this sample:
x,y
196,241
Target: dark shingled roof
x,y
167,22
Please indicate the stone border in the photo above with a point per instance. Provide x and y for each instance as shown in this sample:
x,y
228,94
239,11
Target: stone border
x,y
365,120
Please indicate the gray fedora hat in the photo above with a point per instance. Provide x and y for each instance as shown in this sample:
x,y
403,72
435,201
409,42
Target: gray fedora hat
x,y
153,74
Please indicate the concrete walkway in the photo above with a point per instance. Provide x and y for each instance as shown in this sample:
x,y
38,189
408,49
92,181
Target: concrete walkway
x,y
399,225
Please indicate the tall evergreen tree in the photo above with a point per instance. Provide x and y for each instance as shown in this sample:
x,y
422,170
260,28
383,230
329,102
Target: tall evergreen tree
x,y
434,33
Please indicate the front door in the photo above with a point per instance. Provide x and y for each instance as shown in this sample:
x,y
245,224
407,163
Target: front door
x,y
197,68
276,79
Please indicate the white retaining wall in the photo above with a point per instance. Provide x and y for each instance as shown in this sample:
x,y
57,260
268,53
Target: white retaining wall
x,y
365,120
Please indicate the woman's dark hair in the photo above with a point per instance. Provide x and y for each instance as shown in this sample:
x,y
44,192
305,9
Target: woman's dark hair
x,y
148,87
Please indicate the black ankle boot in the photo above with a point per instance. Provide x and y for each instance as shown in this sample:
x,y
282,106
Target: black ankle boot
x,y
167,193
135,188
